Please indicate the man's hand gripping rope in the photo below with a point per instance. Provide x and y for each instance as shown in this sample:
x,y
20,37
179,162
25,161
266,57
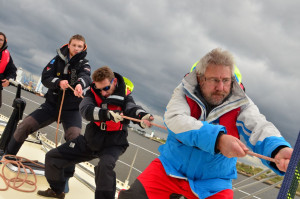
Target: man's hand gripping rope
x,y
115,116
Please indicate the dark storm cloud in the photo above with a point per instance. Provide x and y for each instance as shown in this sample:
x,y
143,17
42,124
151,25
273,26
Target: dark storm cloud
x,y
154,43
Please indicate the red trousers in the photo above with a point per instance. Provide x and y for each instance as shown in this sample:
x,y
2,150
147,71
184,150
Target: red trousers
x,y
158,185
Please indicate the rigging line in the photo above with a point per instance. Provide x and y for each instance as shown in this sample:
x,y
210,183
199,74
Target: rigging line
x,y
292,176
261,156
74,90
59,114
137,120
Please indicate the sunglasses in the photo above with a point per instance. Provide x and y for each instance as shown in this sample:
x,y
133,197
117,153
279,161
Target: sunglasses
x,y
106,88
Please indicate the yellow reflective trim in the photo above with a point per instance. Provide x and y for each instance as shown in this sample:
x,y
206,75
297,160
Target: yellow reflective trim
x,y
237,72
129,84
194,66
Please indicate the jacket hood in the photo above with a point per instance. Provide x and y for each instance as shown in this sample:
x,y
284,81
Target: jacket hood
x,y
235,100
4,46
120,88
63,53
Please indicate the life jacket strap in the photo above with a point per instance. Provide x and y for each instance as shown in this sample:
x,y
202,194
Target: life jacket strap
x,y
103,126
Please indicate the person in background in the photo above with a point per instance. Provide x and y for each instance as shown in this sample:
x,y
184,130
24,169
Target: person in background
x,y
68,68
105,136
207,114
8,70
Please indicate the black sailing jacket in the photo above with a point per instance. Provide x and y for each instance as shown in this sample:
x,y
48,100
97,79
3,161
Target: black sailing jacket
x,y
76,70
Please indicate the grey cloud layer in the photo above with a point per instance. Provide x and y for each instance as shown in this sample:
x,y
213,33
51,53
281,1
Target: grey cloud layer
x,y
154,43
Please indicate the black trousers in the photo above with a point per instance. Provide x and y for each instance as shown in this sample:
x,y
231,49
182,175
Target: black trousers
x,y
45,115
0,97
76,151
41,117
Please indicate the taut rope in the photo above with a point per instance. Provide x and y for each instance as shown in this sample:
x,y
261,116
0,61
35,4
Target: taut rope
x,y
59,114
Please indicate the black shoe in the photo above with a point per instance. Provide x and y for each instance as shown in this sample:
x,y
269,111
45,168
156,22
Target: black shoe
x,y
50,193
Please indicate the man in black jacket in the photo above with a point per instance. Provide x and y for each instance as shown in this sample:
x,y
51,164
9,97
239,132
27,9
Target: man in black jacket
x,y
7,66
105,136
69,67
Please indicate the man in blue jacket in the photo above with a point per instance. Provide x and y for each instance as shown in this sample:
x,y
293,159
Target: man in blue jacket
x,y
206,116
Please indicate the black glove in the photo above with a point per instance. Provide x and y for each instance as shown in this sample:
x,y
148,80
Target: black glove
x,y
114,116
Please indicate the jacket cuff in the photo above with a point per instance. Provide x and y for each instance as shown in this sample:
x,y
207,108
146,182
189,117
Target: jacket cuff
x,y
274,153
56,82
217,141
79,83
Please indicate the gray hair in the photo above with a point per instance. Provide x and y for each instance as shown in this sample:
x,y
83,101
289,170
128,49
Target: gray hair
x,y
218,57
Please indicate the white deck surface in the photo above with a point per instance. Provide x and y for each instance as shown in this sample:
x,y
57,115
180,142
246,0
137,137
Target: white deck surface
x,y
34,152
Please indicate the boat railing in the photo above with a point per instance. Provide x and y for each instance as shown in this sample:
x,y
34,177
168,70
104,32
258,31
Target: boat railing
x,y
138,149
254,180
237,186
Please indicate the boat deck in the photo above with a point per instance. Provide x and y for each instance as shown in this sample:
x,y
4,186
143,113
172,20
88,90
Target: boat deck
x,y
77,188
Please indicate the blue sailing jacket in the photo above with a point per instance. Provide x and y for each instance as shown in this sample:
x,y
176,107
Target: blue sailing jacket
x,y
189,152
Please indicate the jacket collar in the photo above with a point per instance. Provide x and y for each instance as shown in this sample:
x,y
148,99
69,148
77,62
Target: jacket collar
x,y
236,99
4,47
63,53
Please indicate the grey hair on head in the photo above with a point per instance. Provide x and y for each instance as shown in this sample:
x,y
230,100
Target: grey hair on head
x,y
217,57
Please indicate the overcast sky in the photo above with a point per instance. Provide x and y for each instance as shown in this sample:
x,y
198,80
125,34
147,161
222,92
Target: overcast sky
x,y
155,43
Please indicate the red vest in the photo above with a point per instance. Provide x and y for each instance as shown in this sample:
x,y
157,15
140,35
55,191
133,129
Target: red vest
x,y
108,125
228,119
4,60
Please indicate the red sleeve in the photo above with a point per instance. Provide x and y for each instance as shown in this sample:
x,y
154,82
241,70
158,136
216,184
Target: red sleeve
x,y
4,60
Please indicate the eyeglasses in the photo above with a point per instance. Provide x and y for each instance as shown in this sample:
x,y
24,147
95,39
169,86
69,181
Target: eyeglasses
x,y
106,88
215,81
